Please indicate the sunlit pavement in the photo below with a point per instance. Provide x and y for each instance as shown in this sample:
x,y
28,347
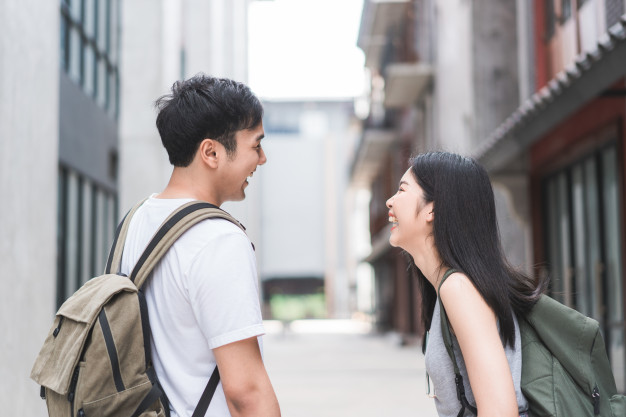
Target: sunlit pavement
x,y
328,368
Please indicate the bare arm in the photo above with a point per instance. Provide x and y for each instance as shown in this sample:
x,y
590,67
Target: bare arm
x,y
245,381
475,326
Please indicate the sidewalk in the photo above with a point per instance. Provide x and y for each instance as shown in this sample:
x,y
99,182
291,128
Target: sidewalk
x,y
337,368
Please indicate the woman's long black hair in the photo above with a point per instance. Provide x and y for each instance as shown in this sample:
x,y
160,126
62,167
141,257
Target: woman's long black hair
x,y
466,236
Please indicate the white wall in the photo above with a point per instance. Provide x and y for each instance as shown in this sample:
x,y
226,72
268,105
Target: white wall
x,y
214,37
292,188
29,97
149,66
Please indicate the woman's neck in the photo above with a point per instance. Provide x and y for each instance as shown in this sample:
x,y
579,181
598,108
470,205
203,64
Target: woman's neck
x,y
429,263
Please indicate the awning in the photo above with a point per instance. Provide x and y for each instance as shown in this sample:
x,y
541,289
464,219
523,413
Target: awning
x,y
589,76
377,19
404,83
374,146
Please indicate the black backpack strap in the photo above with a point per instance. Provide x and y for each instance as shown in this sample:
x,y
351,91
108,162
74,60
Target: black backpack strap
x,y
207,395
181,220
447,340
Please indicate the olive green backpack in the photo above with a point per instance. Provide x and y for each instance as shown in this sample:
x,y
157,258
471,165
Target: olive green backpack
x,y
565,367
96,360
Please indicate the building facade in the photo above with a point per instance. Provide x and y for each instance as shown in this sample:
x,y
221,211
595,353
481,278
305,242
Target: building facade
x,y
78,143
302,194
535,92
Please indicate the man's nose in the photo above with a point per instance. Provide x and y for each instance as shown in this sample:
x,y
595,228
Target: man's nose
x,y
263,158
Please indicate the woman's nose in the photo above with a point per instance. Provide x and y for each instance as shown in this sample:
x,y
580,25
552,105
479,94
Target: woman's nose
x,y
388,202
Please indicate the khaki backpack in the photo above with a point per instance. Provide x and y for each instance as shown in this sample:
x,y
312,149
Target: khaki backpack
x,y
96,360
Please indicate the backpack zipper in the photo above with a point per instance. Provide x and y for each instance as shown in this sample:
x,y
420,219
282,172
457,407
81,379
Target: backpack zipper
x,y
595,397
70,394
56,331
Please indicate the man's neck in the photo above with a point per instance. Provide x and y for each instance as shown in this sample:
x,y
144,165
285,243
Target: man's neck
x,y
184,184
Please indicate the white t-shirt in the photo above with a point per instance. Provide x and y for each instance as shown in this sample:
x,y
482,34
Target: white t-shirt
x,y
202,295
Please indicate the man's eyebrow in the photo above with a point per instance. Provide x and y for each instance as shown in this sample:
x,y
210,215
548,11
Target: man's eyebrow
x,y
261,136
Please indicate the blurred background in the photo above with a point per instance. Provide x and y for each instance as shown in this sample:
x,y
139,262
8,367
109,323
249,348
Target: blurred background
x,y
533,89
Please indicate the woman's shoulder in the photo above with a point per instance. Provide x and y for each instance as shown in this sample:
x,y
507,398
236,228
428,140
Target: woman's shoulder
x,y
456,282
458,286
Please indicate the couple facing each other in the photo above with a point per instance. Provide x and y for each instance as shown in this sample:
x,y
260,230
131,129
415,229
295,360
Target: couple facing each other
x,y
203,295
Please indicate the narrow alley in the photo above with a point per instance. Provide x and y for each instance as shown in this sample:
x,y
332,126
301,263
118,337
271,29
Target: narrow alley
x,y
338,368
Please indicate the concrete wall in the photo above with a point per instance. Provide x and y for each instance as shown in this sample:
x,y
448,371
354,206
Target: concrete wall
x,y
495,72
454,112
149,66
212,35
29,97
302,195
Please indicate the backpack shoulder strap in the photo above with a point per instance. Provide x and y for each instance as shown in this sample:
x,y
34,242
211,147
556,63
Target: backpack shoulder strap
x,y
181,220
447,341
115,254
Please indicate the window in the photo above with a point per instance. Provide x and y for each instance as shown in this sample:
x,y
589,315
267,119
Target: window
x,y
87,222
582,222
566,10
89,48
550,18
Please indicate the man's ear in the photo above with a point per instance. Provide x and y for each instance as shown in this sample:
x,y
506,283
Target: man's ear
x,y
208,152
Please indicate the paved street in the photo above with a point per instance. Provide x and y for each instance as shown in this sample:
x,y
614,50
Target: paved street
x,y
337,368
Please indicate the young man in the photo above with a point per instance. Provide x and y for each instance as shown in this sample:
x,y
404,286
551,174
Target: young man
x,y
203,296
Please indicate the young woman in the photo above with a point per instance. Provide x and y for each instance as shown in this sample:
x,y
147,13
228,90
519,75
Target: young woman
x,y
444,217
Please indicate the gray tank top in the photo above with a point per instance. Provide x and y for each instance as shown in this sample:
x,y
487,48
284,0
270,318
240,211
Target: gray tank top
x,y
441,372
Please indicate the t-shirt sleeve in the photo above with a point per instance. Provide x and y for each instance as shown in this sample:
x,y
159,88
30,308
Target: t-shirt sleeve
x,y
223,290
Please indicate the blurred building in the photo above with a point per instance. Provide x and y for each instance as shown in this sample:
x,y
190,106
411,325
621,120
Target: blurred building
x,y
533,90
78,144
302,199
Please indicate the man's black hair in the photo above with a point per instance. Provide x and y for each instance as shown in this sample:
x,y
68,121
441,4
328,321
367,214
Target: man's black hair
x,y
205,107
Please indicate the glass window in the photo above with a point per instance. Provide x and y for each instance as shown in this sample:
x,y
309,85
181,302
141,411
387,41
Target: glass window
x,y
566,10
114,22
76,10
580,240
550,18
88,73
89,19
102,25
565,237
74,58
71,234
614,300
554,250
112,96
61,229
102,82
86,217
89,45
64,44
583,242
592,222
86,267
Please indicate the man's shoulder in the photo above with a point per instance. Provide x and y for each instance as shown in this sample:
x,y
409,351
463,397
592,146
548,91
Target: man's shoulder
x,y
216,232
217,227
